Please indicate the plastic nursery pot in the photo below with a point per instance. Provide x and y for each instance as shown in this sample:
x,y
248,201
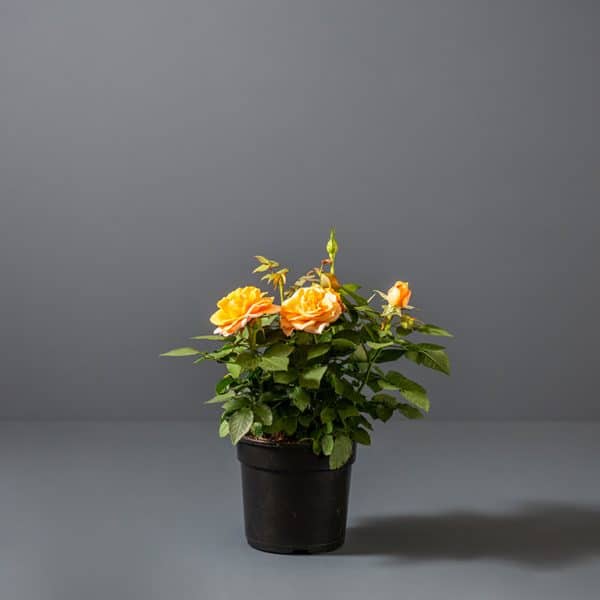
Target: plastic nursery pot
x,y
293,502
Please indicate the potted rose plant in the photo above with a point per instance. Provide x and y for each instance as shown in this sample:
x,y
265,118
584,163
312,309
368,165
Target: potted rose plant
x,y
304,380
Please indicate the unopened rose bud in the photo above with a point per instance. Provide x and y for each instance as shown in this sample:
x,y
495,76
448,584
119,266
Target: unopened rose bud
x,y
329,280
399,294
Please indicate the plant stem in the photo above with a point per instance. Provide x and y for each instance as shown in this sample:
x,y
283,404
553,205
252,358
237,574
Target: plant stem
x,y
369,367
252,337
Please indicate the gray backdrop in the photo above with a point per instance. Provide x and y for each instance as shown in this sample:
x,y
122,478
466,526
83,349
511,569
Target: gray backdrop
x,y
148,149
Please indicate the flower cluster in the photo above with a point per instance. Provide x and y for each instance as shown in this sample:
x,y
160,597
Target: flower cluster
x,y
310,309
308,369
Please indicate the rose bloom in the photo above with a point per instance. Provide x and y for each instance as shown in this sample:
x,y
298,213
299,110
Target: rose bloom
x,y
310,309
399,294
240,307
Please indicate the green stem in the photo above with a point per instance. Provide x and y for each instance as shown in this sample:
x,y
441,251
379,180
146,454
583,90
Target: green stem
x,y
369,367
252,337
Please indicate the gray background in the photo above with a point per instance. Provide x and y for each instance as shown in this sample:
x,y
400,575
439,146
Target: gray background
x,y
148,149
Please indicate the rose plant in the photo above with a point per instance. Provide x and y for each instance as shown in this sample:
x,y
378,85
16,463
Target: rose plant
x,y
314,368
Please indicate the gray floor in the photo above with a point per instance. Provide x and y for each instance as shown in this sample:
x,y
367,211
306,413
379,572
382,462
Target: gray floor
x,y
438,510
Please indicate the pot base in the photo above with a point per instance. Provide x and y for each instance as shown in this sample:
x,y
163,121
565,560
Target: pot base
x,y
315,549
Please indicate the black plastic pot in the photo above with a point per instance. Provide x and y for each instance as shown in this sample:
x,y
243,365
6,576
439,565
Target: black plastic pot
x,y
293,502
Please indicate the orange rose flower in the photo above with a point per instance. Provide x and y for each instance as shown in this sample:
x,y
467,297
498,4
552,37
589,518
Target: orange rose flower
x,y
240,307
399,294
310,309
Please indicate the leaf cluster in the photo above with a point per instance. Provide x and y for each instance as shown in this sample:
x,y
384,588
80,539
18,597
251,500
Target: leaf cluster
x,y
322,389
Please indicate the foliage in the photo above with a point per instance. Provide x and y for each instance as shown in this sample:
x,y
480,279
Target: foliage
x,y
325,384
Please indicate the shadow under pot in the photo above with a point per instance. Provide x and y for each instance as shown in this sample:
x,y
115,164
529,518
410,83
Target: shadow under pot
x,y
293,502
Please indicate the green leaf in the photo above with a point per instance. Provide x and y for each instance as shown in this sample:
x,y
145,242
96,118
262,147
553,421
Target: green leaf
x,y
349,335
208,337
269,336
341,452
316,445
325,337
235,403
430,329
431,356
389,355
300,398
346,390
223,384
305,420
223,429
311,378
234,370
383,412
268,319
339,385
341,345
361,436
278,350
266,397
221,397
187,351
365,422
328,414
373,382
218,354
411,390
289,425
302,338
274,363
327,444
351,287
264,414
386,399
247,360
316,350
410,412
348,411
239,424
360,355
285,377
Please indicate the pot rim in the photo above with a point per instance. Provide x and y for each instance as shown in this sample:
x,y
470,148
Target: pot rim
x,y
252,441
284,456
